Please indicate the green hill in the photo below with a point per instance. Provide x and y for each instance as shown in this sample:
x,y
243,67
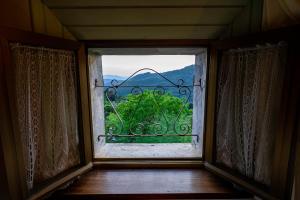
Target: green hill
x,y
151,80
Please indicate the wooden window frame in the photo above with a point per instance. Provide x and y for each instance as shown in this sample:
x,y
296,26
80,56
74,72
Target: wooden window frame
x,y
281,180
11,145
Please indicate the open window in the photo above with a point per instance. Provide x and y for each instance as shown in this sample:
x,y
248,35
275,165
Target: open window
x,y
147,102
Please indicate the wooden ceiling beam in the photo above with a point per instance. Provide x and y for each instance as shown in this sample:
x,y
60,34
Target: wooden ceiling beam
x,y
143,3
173,32
144,16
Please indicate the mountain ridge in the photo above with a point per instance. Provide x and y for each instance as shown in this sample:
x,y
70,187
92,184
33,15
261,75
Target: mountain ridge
x,y
166,80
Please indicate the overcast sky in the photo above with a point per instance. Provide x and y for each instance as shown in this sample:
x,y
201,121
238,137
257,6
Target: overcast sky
x,y
127,65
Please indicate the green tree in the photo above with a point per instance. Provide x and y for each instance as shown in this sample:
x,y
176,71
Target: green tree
x,y
150,112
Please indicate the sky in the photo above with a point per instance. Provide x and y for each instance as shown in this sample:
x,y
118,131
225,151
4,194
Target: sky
x,y
126,65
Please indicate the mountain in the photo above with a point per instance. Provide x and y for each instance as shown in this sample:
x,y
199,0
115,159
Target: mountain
x,y
107,79
168,81
111,77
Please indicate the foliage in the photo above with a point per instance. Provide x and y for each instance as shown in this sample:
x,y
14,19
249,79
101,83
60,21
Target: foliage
x,y
150,112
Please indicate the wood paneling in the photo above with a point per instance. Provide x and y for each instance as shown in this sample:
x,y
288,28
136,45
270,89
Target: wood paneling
x,y
38,16
45,22
145,3
30,38
67,34
150,184
146,43
249,20
210,106
13,173
241,182
278,14
15,14
53,26
31,15
297,167
142,19
147,32
144,16
85,104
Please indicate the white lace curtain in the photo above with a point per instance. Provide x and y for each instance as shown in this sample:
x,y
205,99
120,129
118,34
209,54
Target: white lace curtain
x,y
250,83
45,92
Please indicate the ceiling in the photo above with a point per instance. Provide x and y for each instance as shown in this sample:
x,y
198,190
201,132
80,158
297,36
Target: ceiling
x,y
146,19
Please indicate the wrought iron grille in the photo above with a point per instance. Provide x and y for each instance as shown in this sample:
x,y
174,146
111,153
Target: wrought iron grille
x,y
159,126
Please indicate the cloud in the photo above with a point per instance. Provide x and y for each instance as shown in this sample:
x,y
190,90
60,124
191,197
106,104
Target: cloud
x,y
126,65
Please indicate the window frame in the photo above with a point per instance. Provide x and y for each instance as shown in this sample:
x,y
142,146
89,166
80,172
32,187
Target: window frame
x,y
197,43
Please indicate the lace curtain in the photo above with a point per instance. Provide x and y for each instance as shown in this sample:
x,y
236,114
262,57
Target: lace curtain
x,y
46,98
250,83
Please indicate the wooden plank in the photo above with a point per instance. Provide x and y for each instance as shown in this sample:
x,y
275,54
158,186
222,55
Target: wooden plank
x,y
143,16
286,134
210,107
12,157
147,33
15,14
53,25
239,181
147,164
38,16
85,104
142,3
146,43
151,184
36,39
297,166
67,34
50,188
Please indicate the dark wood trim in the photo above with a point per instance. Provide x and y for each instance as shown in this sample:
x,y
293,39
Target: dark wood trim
x,y
94,7
16,182
61,181
85,105
153,196
287,131
143,25
146,43
148,164
210,106
244,183
36,39
148,159
151,184
288,34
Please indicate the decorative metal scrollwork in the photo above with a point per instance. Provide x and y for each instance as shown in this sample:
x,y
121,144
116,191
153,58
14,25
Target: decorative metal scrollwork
x,y
170,128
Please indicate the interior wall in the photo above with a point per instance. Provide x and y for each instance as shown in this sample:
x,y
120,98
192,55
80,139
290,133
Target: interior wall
x,y
32,15
263,15
249,20
280,13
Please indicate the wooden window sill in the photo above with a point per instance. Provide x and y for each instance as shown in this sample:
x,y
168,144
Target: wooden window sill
x,y
150,184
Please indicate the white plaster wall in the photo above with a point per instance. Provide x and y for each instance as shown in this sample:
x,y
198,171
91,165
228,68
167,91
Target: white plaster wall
x,y
97,99
199,97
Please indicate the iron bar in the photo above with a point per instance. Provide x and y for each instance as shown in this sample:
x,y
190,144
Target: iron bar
x,y
181,129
